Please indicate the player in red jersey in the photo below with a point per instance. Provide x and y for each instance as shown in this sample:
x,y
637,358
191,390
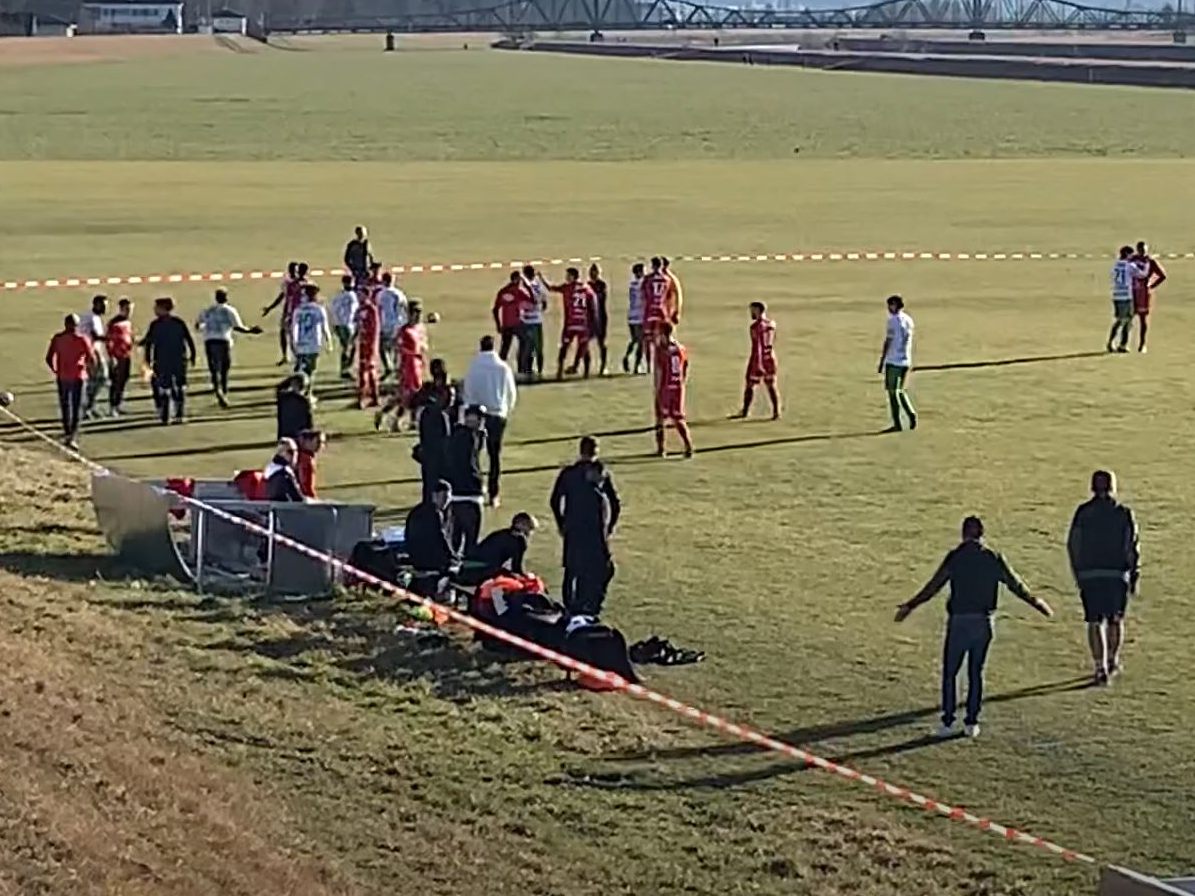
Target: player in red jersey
x,y
369,324
289,297
412,360
654,290
672,370
761,366
120,341
675,297
1152,276
580,320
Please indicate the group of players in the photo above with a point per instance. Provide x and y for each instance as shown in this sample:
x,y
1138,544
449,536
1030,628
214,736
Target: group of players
x,y
380,333
654,306
376,326
1135,276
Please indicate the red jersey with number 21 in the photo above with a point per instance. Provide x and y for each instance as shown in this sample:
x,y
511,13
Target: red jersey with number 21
x,y
672,368
580,308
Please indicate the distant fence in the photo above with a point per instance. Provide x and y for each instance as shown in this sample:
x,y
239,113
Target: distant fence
x,y
1074,71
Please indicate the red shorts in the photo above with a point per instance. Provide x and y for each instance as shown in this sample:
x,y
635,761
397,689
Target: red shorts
x,y
1141,304
575,334
670,405
651,329
410,381
761,373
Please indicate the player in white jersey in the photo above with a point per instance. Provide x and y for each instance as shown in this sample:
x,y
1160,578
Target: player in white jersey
x,y
343,311
896,359
1124,274
533,324
392,308
634,320
309,332
217,323
91,325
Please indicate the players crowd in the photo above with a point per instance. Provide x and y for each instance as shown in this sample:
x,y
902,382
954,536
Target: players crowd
x,y
380,335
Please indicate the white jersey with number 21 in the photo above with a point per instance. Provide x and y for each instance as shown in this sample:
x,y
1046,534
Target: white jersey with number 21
x,y
309,327
1124,272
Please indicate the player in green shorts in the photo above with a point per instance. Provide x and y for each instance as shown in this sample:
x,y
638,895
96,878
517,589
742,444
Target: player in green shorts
x,y
1124,275
896,358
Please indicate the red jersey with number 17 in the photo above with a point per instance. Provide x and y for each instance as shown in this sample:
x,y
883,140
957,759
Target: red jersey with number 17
x,y
654,289
763,348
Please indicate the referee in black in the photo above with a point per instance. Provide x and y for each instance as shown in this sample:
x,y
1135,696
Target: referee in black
x,y
169,351
974,572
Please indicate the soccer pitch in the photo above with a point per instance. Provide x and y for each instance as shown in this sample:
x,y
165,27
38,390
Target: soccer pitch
x,y
781,550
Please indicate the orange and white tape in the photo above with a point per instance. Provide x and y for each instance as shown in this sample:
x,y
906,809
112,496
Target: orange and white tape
x,y
458,267
617,682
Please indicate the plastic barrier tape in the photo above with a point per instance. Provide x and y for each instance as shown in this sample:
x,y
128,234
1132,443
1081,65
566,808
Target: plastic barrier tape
x,y
692,713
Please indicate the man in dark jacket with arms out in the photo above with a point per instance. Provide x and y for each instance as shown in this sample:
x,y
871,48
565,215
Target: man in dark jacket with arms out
x,y
974,572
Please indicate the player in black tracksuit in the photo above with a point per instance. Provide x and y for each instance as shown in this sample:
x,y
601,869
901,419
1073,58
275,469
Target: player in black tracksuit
x,y
464,474
434,405
586,507
169,351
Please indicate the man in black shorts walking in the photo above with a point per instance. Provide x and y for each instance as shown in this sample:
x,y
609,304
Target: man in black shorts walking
x,y
1105,559
169,351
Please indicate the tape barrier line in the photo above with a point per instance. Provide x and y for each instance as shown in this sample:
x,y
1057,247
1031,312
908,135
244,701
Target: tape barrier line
x,y
695,715
438,268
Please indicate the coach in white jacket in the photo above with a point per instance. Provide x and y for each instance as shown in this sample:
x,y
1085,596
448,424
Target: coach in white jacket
x,y
491,383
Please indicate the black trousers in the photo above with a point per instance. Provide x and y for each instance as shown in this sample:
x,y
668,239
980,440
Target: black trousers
x,y
70,405
122,369
588,572
170,385
466,526
495,431
968,639
506,336
219,362
431,468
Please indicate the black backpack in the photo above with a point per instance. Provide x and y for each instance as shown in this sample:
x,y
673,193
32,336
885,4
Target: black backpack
x,y
601,646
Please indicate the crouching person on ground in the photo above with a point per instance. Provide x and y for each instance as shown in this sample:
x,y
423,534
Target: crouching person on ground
x,y
428,539
501,551
282,483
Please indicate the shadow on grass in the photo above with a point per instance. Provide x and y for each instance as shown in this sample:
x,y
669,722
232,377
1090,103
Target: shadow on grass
x,y
854,727
62,567
719,780
1006,362
615,461
354,645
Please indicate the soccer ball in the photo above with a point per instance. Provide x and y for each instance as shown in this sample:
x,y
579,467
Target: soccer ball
x,y
6,398
434,317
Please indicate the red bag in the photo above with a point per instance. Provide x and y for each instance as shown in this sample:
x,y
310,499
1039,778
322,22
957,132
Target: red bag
x,y
184,487
251,484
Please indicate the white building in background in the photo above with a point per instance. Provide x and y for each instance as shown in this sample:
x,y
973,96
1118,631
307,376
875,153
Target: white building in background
x,y
228,21
131,17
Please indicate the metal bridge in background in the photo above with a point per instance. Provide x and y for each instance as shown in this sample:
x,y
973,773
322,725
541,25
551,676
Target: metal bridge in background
x,y
526,16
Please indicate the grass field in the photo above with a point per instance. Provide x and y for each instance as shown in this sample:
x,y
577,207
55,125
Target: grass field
x,y
165,744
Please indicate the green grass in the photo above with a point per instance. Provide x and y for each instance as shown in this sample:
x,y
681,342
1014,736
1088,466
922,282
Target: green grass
x,y
781,550
274,104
